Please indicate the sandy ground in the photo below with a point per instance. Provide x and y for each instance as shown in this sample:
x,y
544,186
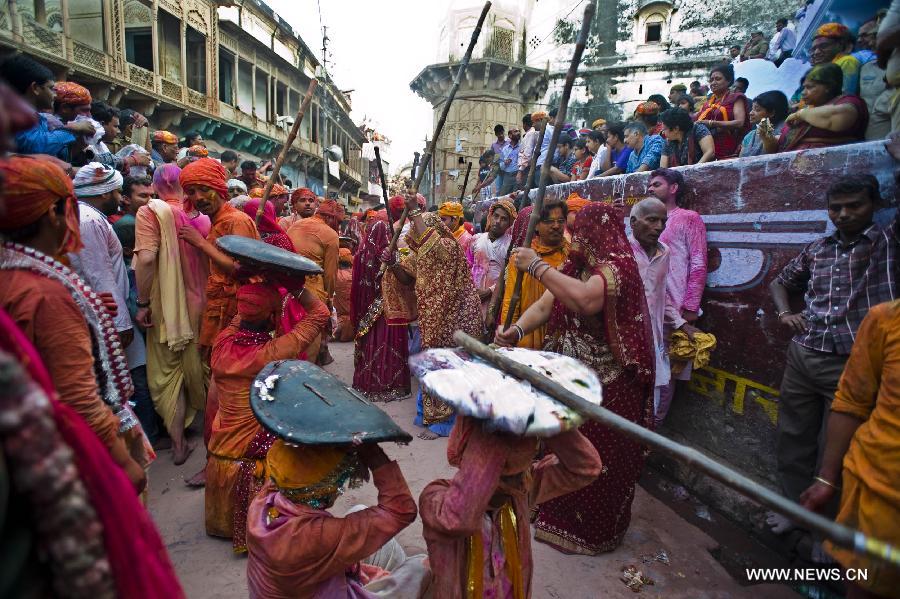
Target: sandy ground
x,y
208,569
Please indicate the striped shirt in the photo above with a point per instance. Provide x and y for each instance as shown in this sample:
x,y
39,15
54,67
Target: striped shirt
x,y
842,283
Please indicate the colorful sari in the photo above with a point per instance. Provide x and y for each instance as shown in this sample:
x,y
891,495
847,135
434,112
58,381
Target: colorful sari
x,y
618,344
447,301
804,136
381,353
727,141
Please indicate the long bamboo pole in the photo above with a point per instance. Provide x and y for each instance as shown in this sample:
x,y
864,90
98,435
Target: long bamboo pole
x,y
493,311
287,146
839,534
554,139
384,189
462,192
457,79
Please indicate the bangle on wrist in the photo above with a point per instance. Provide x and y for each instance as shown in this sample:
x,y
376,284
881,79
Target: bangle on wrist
x,y
412,213
520,331
826,483
782,313
142,304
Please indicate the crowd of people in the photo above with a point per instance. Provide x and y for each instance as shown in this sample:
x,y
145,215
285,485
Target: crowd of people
x,y
123,320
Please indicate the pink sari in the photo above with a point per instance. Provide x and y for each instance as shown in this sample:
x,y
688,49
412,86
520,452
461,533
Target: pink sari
x,y
618,344
381,352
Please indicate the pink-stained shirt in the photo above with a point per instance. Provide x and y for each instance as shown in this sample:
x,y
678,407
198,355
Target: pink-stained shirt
x,y
654,272
685,234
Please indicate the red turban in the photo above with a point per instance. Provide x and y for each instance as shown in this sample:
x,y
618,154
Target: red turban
x,y
647,107
303,193
331,208
256,301
833,30
208,172
69,92
396,205
198,151
164,137
575,202
31,187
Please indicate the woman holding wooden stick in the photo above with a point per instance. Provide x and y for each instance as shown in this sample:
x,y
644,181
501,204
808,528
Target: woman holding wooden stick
x,y
596,312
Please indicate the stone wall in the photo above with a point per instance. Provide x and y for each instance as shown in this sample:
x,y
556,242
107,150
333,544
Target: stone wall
x,y
759,213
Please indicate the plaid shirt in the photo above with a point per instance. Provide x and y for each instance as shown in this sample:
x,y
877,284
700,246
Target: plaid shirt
x,y
842,283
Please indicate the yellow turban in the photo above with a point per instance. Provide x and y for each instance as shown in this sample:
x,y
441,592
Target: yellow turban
x,y
451,209
540,114
575,202
310,472
598,123
507,205
683,350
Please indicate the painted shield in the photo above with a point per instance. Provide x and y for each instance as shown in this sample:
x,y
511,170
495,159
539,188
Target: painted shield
x,y
301,403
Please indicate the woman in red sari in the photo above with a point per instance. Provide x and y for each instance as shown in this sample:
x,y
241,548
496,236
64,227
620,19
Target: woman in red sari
x,y
380,358
725,113
596,312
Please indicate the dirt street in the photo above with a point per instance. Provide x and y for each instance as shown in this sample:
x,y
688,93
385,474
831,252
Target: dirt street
x,y
208,569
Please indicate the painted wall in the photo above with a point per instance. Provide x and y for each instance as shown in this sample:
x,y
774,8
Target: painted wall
x,y
759,213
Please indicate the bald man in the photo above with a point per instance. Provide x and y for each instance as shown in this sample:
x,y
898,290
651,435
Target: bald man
x,y
648,219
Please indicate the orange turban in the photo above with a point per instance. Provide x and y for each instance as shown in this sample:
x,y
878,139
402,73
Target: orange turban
x,y
256,301
164,137
278,190
331,208
540,114
507,205
256,192
451,209
575,202
647,107
31,187
208,172
833,30
345,256
302,194
310,471
69,92
198,151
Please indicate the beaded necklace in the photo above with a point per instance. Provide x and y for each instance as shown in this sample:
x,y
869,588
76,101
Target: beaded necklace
x,y
110,364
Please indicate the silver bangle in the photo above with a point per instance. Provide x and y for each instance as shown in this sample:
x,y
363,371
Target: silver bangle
x,y
520,331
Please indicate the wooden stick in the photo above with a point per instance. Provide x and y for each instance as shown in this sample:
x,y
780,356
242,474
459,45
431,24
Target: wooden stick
x,y
384,189
287,146
554,139
494,310
462,192
837,533
412,173
457,79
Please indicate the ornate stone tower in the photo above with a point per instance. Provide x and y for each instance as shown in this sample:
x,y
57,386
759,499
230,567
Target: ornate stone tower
x,y
498,88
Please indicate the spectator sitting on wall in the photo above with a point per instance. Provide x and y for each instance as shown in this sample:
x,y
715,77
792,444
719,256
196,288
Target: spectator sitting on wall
x,y
734,57
596,145
34,82
618,152
230,160
771,105
661,101
782,44
841,276
686,103
725,112
832,44
864,50
698,93
646,149
164,147
676,91
129,120
756,47
583,160
648,113
741,84
828,119
488,171
687,142
564,161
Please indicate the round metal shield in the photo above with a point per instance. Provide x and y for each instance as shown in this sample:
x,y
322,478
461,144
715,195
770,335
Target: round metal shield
x,y
263,256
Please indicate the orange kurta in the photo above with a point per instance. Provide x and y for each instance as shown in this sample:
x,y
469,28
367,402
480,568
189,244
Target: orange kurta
x,y
294,555
221,288
234,367
870,390
532,290
46,313
342,285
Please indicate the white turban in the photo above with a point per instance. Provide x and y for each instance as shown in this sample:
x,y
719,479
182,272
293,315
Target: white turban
x,y
237,183
95,179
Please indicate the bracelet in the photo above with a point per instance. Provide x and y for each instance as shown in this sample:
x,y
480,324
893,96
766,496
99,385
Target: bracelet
x,y
827,483
543,272
782,313
141,304
520,331
413,213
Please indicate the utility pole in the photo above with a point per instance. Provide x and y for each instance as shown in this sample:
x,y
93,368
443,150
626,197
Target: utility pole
x,y
323,137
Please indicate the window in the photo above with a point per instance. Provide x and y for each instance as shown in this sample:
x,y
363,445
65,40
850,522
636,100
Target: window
x,y
139,47
169,34
261,96
196,60
245,87
654,33
45,12
86,22
226,76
